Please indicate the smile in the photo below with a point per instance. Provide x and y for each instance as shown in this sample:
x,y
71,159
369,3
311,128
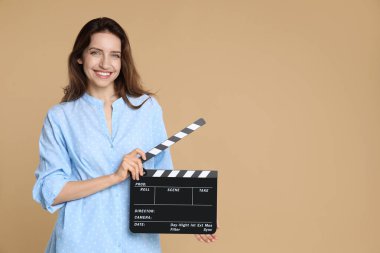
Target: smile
x,y
103,75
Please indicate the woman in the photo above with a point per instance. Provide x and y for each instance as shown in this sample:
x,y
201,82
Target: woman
x,y
93,141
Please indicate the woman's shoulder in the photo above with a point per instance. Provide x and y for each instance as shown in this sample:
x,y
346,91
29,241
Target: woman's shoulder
x,y
58,111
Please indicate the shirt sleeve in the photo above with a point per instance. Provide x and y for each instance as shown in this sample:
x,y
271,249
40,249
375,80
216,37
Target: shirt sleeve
x,y
54,169
164,159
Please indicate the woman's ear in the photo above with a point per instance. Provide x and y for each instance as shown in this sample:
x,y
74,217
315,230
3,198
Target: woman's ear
x,y
79,60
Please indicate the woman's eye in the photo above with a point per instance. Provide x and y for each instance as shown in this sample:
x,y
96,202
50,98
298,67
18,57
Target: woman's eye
x,y
94,53
116,55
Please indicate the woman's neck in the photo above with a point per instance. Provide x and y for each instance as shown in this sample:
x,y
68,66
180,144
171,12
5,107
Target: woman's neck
x,y
107,95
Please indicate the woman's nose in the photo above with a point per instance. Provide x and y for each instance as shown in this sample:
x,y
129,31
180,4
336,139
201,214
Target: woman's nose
x,y
104,62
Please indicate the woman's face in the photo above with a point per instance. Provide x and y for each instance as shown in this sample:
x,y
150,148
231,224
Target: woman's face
x,y
102,60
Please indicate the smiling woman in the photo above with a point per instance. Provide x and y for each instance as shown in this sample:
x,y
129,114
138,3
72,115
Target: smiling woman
x,y
92,144
102,59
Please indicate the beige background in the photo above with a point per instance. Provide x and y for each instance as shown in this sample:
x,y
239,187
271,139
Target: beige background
x,y
290,91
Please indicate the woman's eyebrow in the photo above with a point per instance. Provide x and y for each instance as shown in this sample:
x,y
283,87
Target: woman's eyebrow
x,y
102,50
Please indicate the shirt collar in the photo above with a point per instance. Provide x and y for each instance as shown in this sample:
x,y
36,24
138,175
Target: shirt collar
x,y
117,103
98,102
92,100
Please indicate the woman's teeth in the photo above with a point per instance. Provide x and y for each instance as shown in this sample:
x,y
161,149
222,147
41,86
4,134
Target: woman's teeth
x,y
103,74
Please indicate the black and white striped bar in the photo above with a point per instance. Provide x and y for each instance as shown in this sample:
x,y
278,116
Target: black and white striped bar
x,y
175,138
182,173
174,202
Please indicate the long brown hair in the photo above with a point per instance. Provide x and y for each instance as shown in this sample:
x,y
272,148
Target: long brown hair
x,y
127,83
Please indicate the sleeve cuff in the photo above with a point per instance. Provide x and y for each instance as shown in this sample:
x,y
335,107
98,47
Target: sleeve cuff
x,y
50,190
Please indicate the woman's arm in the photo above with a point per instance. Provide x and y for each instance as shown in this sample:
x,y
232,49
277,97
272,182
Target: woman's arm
x,y
80,189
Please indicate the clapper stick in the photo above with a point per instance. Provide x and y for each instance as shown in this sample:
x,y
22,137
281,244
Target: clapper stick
x,y
173,139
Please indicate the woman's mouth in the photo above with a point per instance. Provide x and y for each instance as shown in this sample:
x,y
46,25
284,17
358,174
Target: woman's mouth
x,y
103,74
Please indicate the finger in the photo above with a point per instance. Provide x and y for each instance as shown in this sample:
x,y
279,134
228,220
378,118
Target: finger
x,y
132,162
204,238
131,170
133,153
210,238
133,173
207,238
199,237
126,169
141,153
137,171
140,167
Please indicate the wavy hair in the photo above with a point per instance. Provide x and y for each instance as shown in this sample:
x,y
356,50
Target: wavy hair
x,y
128,81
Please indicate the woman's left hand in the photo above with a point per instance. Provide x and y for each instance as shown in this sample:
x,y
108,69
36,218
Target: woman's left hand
x,y
207,237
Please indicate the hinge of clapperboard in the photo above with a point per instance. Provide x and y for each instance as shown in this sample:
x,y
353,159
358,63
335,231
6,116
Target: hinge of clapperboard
x,y
173,139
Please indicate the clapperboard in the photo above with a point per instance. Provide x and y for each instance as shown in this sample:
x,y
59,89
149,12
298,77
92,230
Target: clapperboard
x,y
174,201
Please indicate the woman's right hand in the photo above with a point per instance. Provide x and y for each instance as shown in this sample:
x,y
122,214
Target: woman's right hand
x,y
131,163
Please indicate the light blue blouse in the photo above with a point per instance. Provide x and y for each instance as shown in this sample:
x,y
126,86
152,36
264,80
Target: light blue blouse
x,y
75,144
